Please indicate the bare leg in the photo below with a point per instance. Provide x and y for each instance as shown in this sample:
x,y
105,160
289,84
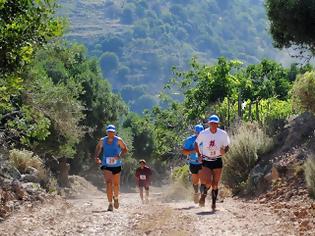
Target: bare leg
x,y
141,194
116,180
108,176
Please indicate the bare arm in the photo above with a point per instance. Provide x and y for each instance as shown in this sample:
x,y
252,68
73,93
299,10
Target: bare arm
x,y
123,147
197,149
224,150
198,152
98,151
187,152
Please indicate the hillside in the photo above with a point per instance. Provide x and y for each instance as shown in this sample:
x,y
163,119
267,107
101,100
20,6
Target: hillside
x,y
139,41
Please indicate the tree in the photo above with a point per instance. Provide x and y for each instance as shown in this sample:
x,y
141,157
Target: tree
x,y
109,62
68,66
25,25
205,85
266,80
292,23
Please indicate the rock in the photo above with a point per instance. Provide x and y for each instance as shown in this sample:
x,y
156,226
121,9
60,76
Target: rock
x,y
5,184
288,196
31,188
30,178
274,173
9,171
18,189
31,170
263,200
268,177
300,213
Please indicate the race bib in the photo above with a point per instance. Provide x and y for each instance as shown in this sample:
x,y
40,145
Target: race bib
x,y
212,152
111,160
143,177
212,148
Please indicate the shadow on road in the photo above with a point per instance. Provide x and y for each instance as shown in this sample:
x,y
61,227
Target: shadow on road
x,y
185,208
99,211
205,213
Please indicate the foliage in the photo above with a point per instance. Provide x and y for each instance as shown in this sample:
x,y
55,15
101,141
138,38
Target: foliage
x,y
181,174
60,104
291,23
309,171
24,26
83,102
248,143
31,127
109,62
303,95
205,85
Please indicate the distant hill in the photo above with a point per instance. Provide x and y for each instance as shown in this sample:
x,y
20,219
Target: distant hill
x,y
138,41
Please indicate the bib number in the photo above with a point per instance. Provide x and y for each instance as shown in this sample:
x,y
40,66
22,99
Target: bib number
x,y
143,177
212,152
111,161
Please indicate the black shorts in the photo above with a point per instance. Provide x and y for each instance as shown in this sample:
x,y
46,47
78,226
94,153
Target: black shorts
x,y
194,169
145,187
215,164
114,170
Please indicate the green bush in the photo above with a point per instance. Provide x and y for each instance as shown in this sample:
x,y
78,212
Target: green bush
x,y
181,174
309,171
247,144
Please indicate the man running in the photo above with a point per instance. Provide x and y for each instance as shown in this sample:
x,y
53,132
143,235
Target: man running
x,y
143,178
215,144
113,149
194,164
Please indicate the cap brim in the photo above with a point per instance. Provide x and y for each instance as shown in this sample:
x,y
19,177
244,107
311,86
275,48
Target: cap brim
x,y
213,121
110,130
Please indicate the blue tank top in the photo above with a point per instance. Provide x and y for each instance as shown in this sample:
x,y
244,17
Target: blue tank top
x,y
110,151
189,144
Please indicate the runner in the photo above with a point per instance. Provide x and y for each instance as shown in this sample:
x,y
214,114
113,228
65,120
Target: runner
x,y
113,148
143,178
194,164
215,144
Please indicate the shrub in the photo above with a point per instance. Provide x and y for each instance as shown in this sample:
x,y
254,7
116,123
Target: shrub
x,y
21,159
181,174
309,171
247,144
303,96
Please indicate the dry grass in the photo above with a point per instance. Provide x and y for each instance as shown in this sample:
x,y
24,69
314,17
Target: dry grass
x,y
22,159
247,144
309,171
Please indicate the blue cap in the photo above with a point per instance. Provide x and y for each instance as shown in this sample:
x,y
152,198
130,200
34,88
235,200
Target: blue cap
x,y
214,119
198,128
111,128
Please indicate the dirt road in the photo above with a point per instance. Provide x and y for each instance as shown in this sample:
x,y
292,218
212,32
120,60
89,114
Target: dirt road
x,y
87,215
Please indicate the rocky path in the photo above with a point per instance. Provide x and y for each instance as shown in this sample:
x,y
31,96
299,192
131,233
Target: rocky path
x,y
87,215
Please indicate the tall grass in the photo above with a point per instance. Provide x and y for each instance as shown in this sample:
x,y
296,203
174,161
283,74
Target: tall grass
x,y
309,171
181,174
248,142
22,159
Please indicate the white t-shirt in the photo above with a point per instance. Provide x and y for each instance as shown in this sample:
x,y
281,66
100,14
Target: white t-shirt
x,y
211,143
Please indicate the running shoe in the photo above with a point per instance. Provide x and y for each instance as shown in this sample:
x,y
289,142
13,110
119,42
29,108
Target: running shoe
x,y
116,203
110,207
